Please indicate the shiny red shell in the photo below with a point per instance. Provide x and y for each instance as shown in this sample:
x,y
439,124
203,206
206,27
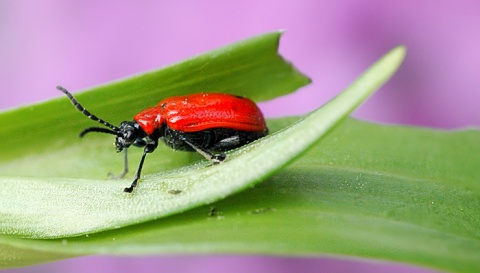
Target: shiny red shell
x,y
197,112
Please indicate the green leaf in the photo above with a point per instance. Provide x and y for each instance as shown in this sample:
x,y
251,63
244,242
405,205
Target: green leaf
x,y
365,190
93,205
46,205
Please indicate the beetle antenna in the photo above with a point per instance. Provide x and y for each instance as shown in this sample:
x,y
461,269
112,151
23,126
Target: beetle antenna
x,y
88,114
98,130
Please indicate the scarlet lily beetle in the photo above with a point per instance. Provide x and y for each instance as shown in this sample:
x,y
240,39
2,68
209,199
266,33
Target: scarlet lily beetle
x,y
205,123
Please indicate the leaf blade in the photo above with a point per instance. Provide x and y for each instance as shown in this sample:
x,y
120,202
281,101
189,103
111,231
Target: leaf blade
x,y
198,184
327,203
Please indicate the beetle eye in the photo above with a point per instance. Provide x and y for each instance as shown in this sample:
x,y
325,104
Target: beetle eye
x,y
129,136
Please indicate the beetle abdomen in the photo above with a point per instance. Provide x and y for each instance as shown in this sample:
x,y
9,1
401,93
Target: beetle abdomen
x,y
217,139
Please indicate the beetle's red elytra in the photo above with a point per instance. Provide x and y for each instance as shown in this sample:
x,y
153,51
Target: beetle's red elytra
x,y
204,111
205,123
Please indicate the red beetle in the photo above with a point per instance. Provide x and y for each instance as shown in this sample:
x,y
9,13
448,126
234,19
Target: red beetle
x,y
204,123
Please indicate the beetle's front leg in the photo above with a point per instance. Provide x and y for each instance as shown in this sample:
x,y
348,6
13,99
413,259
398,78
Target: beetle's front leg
x,y
149,148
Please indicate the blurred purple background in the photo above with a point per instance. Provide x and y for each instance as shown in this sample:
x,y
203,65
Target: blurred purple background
x,y
84,43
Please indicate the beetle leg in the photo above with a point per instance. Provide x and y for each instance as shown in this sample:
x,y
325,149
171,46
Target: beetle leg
x,y
125,167
148,149
227,143
215,158
137,174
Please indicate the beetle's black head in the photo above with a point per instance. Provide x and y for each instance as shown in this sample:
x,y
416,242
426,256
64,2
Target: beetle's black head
x,y
129,133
